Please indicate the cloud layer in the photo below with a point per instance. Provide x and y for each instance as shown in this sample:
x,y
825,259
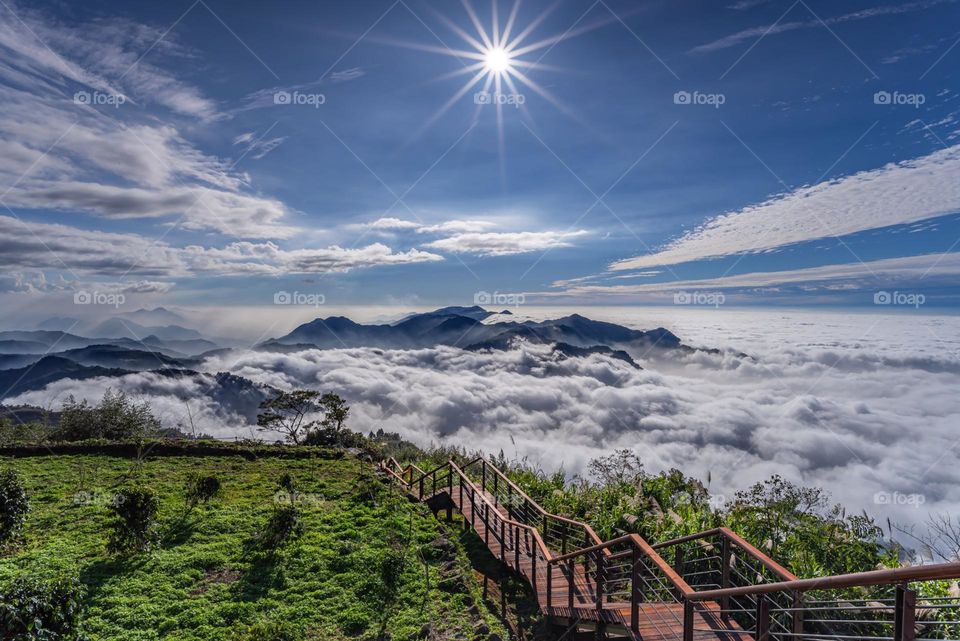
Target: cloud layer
x,y
894,194
833,411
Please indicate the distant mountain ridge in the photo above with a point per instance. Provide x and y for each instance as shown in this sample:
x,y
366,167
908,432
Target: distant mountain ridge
x,y
464,327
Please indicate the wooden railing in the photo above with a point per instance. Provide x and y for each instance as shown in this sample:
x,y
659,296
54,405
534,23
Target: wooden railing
x,y
715,572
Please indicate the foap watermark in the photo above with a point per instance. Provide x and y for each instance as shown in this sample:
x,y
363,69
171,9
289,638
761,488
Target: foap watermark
x,y
299,98
714,100
84,297
99,98
299,298
98,498
908,299
515,100
282,497
899,498
710,299
500,299
896,98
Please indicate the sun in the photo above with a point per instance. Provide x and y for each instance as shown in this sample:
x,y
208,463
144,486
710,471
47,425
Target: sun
x,y
497,60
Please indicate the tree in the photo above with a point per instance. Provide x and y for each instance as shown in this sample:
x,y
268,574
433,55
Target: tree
x,y
623,466
335,411
287,412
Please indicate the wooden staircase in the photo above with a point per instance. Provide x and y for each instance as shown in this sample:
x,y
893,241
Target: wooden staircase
x,y
624,588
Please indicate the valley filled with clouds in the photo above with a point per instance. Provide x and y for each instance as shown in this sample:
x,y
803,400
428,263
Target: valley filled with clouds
x,y
864,405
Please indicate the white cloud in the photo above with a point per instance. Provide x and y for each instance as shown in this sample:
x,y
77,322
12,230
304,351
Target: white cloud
x,y
76,155
894,194
28,246
925,270
505,243
392,224
822,400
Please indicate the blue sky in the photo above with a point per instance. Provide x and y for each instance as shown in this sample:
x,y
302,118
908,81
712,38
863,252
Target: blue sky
x,y
214,153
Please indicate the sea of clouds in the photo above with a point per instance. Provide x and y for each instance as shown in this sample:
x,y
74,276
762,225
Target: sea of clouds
x,y
866,406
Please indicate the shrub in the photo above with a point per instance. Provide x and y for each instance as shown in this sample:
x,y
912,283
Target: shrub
x,y
284,525
13,506
200,489
37,609
136,512
115,418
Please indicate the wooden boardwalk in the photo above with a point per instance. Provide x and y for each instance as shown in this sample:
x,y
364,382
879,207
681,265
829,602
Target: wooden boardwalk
x,y
570,604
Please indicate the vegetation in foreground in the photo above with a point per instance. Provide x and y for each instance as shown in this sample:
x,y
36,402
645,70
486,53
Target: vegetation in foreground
x,y
225,548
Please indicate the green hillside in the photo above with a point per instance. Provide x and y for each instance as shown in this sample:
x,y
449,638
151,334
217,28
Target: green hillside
x,y
369,564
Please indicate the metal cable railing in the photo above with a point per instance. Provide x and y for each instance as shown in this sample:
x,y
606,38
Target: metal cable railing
x,y
718,584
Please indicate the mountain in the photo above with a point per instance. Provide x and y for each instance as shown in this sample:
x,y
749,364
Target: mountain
x,y
115,356
48,369
156,316
9,346
465,327
124,328
59,323
49,339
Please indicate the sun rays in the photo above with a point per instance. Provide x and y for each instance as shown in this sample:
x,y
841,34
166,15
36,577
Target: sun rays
x,y
497,58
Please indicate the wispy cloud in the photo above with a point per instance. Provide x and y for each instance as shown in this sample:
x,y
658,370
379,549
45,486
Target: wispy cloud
x,y
894,194
753,33
505,243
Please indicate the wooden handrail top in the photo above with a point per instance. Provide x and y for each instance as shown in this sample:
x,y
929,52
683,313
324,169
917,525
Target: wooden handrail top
x,y
533,531
934,572
783,573
589,530
424,475
765,560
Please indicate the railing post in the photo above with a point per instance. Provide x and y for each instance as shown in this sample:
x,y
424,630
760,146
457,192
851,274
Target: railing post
x,y
635,591
510,502
549,587
533,570
724,574
495,486
433,478
516,547
503,541
687,620
571,568
483,475
797,614
473,507
486,523
563,538
763,618
904,614
599,585
421,488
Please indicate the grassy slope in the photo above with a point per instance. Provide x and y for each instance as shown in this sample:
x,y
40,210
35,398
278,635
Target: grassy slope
x,y
201,582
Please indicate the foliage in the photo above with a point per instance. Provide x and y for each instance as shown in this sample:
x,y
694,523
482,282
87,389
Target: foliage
x,y
287,413
798,526
41,609
270,630
13,506
201,489
16,432
116,418
284,525
134,528
200,584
